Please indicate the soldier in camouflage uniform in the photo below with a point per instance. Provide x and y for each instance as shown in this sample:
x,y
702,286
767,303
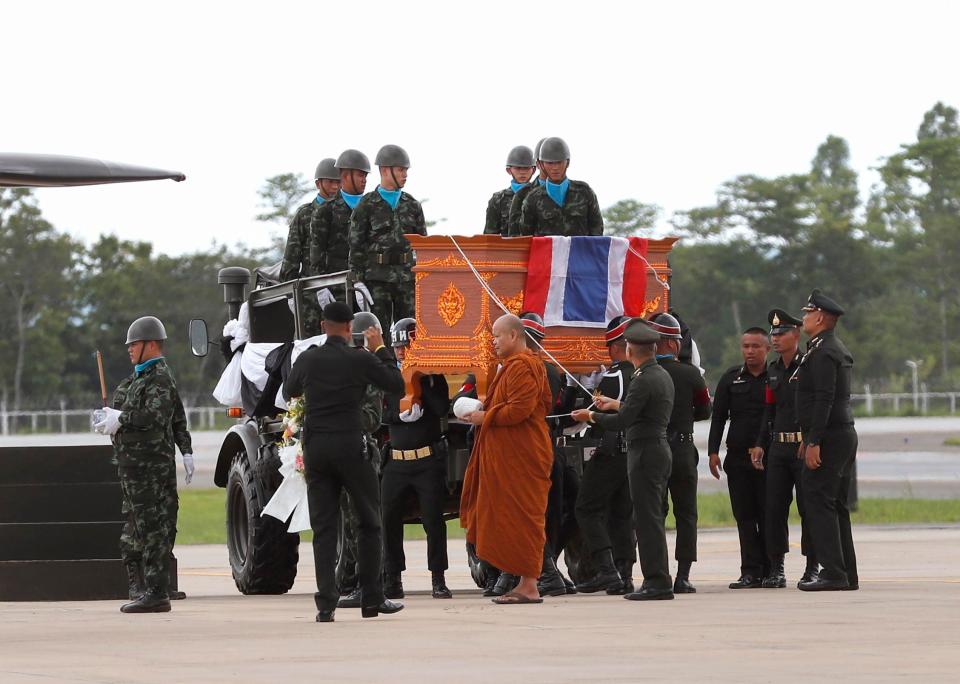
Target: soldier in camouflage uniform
x,y
330,227
520,166
516,202
562,206
380,257
142,424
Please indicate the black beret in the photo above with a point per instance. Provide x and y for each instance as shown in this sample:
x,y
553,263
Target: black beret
x,y
781,322
640,332
338,312
817,301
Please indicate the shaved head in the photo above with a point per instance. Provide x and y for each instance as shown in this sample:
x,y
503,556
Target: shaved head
x,y
508,336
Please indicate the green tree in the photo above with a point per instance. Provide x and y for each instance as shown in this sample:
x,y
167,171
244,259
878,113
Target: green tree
x,y
280,195
630,217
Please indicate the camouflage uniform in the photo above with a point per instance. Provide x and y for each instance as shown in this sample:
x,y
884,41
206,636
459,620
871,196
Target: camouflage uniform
x,y
152,423
579,215
347,569
381,257
516,207
296,260
329,233
498,212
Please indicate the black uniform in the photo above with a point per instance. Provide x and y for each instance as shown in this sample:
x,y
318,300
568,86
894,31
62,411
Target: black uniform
x,y
691,403
604,509
644,415
780,440
332,379
740,396
417,464
826,419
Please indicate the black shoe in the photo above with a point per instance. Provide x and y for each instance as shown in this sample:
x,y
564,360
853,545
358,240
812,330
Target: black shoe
x,y
775,579
388,607
505,582
351,600
650,594
809,576
440,590
325,615
151,602
607,577
568,583
392,586
550,582
682,585
852,586
822,584
747,582
177,595
489,589
625,570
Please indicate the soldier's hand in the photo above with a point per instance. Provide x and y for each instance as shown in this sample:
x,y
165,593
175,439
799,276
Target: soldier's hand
x,y
374,338
188,468
715,466
812,456
110,423
606,403
756,458
581,415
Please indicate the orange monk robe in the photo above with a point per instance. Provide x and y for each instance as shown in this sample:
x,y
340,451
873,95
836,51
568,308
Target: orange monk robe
x,y
507,480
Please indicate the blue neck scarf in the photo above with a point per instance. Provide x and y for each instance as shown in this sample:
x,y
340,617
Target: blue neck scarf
x,y
541,181
558,191
660,357
319,200
351,200
391,197
140,367
515,186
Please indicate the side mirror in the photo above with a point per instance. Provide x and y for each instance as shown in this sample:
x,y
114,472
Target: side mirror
x,y
199,340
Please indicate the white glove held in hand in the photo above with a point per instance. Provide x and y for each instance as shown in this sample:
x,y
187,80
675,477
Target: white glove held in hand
x,y
188,468
324,297
364,298
412,414
110,424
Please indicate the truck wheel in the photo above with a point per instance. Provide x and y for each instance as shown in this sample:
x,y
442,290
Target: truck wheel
x,y
263,555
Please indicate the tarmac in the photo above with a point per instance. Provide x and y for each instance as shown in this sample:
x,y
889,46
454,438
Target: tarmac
x,y
902,625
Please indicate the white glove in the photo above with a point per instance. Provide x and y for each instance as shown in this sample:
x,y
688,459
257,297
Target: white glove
x,y
412,414
110,424
324,297
592,381
188,468
364,298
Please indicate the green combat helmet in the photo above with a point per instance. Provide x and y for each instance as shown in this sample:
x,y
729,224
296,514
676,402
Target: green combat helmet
x,y
353,159
146,329
327,170
554,150
392,155
521,155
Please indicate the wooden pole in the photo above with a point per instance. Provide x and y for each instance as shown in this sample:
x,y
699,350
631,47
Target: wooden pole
x,y
103,381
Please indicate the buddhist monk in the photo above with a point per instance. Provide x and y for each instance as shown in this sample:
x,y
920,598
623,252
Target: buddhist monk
x,y
505,487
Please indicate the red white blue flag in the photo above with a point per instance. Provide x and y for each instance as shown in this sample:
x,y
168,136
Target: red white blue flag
x,y
585,281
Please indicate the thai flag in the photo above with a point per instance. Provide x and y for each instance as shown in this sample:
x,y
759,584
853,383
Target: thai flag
x,y
586,281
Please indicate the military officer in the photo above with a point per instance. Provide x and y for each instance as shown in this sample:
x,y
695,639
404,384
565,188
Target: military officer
x,y
644,415
330,227
691,403
417,465
740,397
604,509
296,255
829,444
520,166
562,206
141,423
381,259
779,440
516,202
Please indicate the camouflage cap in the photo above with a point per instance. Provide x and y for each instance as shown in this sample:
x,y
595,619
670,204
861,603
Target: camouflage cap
x,y
554,150
326,170
392,155
146,329
353,159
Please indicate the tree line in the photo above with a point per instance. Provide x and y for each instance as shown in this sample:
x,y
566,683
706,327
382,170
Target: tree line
x,y
891,257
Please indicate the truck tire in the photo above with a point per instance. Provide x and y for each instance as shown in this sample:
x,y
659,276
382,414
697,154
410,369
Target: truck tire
x,y
263,555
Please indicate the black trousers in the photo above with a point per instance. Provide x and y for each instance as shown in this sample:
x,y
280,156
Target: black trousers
x,y
604,509
826,490
648,463
748,490
784,471
682,486
554,515
334,462
426,478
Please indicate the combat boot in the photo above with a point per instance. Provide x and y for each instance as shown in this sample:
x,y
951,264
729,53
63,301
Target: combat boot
x,y
153,601
607,577
352,600
392,586
135,583
550,582
505,582
625,570
812,571
776,579
440,590
490,587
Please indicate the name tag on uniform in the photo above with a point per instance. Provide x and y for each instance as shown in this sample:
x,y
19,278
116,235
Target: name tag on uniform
x,y
588,453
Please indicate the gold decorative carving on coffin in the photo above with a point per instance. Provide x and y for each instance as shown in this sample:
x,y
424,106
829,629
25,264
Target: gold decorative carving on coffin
x,y
451,304
514,304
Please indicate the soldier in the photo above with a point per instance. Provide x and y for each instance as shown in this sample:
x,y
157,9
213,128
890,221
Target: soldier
x,y
296,255
562,206
147,412
516,202
417,464
520,166
740,396
691,403
604,509
644,415
330,227
779,440
829,444
380,257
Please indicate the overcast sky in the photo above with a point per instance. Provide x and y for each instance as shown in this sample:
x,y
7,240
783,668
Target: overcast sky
x,y
660,102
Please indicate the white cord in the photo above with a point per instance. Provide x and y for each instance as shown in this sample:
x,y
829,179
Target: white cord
x,y
662,281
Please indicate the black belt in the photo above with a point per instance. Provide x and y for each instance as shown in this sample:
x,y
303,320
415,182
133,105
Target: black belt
x,y
390,258
680,437
787,437
131,437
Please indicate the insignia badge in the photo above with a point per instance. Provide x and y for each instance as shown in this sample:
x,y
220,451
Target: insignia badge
x,y
776,319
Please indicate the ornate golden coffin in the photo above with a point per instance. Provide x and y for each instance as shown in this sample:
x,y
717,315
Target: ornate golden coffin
x,y
455,314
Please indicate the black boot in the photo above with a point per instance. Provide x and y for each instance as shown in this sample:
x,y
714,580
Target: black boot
x,y
490,587
440,590
392,586
775,579
352,600
505,582
135,584
681,585
607,576
153,601
812,571
625,570
550,582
